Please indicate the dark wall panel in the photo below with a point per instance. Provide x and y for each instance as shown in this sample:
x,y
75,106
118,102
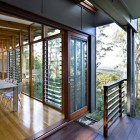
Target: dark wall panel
x,y
65,12
88,21
34,6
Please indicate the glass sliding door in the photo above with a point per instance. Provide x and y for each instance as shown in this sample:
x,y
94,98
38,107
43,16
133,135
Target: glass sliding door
x,y
25,69
37,71
78,74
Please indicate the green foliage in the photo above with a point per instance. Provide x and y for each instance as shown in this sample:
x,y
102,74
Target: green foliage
x,y
102,46
138,108
97,116
37,62
103,79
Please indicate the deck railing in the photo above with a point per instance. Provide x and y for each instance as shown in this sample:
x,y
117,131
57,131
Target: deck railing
x,y
114,94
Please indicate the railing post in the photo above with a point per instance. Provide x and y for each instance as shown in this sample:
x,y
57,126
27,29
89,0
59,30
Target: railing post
x,y
120,99
105,111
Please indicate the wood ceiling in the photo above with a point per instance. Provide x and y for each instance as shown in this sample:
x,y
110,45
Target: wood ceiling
x,y
11,28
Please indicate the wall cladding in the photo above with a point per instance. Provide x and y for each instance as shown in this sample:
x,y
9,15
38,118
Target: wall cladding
x,y
65,12
62,11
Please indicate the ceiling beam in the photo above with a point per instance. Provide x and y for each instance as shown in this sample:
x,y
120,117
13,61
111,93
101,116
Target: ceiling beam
x,y
14,25
3,36
8,32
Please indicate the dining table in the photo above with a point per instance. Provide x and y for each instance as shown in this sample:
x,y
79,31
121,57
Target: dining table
x,y
4,85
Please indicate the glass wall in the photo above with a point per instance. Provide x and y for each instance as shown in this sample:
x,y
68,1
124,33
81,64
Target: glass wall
x,y
25,69
37,71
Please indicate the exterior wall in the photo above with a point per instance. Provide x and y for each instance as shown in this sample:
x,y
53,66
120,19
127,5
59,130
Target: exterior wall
x,y
62,11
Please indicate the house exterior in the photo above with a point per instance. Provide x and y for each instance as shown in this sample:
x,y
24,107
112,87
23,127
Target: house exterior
x,y
78,21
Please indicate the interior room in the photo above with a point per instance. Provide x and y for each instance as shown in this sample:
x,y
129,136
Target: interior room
x,y
30,53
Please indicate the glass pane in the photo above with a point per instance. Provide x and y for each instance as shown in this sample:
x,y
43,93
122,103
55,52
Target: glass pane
x,y
4,64
25,38
17,65
78,65
17,40
53,72
37,31
37,70
11,53
50,31
25,69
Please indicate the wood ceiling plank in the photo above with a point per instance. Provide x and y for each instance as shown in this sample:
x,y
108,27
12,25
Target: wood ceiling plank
x,y
14,25
8,32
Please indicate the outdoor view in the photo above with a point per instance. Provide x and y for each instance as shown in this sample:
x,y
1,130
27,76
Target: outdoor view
x,y
25,69
37,70
111,63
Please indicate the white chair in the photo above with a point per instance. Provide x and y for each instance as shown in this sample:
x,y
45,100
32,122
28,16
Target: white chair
x,y
6,79
10,81
9,95
15,82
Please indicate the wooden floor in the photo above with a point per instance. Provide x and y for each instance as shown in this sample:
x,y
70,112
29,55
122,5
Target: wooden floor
x,y
124,129
30,119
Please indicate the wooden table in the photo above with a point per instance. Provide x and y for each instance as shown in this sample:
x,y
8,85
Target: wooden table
x,y
6,85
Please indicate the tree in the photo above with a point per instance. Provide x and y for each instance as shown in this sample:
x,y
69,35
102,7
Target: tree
x,y
102,46
103,79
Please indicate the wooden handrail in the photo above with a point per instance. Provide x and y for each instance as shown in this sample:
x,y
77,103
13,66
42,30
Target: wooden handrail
x,y
113,103
114,84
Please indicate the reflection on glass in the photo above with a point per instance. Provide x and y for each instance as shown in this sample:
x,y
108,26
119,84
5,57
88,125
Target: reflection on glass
x,y
37,70
78,60
37,31
17,41
25,69
4,63
50,31
25,37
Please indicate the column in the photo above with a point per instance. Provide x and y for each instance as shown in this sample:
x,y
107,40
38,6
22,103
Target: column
x,y
131,93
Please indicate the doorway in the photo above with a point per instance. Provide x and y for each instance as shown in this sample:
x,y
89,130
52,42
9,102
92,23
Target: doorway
x,y
78,75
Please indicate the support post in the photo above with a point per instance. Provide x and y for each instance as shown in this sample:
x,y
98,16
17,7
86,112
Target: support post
x,y
131,93
92,74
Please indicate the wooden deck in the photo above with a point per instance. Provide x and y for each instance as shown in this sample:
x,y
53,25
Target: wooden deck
x,y
75,131
30,119
126,128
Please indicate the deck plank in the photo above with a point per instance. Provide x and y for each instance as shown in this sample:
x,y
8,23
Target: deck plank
x,y
137,134
75,131
134,130
123,130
